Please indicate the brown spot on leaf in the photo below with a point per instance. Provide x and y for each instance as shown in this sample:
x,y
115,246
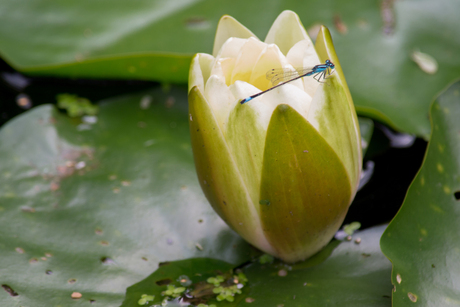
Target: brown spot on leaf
x,y
54,186
27,209
388,16
163,282
10,290
170,102
340,25
107,260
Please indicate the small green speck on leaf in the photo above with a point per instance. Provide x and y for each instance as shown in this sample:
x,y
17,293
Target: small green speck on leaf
x,y
440,167
172,291
266,258
215,280
145,299
351,228
240,278
264,202
76,106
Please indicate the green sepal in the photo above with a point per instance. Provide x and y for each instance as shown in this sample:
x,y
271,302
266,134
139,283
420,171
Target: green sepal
x,y
305,191
245,136
337,119
218,173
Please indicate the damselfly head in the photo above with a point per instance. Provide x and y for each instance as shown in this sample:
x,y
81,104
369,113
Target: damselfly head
x,y
329,64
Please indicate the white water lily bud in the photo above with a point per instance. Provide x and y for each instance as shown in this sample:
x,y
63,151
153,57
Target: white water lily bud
x,y
283,168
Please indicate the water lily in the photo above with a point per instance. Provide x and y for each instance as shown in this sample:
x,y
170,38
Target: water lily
x,y
282,169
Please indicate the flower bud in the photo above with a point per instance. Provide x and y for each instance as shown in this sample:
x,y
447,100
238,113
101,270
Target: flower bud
x,y
283,168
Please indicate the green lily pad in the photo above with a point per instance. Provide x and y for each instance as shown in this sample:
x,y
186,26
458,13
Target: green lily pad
x,y
91,208
375,53
142,66
423,240
342,274
376,41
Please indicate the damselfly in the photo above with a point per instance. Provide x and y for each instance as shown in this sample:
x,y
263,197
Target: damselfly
x,y
282,76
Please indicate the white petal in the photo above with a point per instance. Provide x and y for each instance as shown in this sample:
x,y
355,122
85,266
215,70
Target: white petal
x,y
265,104
231,48
286,31
220,99
270,58
316,116
200,69
229,27
291,95
242,90
303,54
223,68
262,110
246,59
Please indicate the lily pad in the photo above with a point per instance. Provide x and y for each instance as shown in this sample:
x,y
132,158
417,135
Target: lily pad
x,y
342,274
89,208
423,240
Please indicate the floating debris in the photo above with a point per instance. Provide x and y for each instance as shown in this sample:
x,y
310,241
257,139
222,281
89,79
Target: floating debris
x,y
184,280
412,296
282,273
76,295
23,101
89,119
197,23
425,61
145,102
